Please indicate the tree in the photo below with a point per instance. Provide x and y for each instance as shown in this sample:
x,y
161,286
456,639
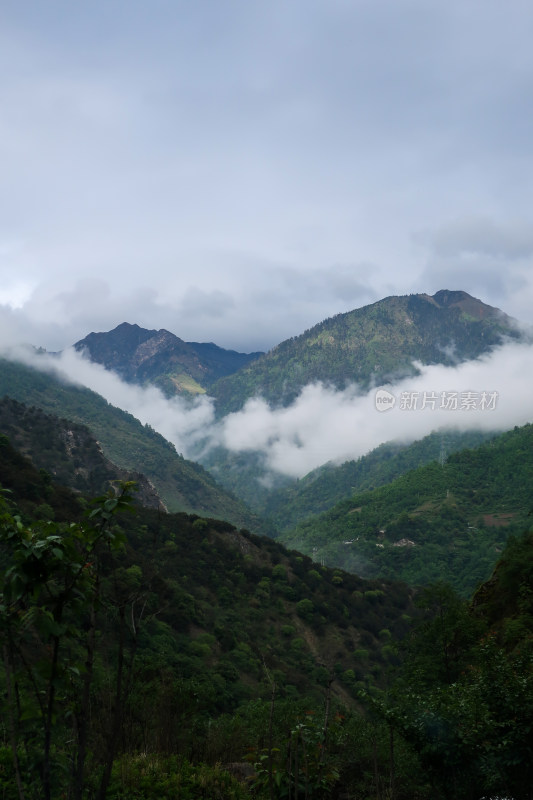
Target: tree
x,y
465,704
49,594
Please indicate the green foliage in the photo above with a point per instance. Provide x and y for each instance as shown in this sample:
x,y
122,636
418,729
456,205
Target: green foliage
x,y
505,602
326,486
305,609
279,572
446,522
48,585
464,696
474,735
131,446
155,777
302,768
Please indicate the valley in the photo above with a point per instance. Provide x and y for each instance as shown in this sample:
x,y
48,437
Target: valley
x,y
350,633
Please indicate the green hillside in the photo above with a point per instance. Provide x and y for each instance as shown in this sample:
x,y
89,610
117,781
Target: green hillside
x,y
182,485
325,487
173,631
375,343
156,656
463,697
439,522
67,452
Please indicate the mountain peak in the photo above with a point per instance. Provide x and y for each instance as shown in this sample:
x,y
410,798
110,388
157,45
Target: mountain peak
x,y
146,356
446,298
373,344
450,297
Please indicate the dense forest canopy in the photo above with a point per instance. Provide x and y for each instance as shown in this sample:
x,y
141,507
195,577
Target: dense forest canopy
x,y
143,650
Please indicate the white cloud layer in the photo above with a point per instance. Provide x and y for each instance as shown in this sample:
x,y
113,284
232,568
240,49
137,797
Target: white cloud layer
x,y
326,425
323,424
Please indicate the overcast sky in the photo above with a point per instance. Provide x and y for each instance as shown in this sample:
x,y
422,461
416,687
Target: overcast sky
x,y
236,171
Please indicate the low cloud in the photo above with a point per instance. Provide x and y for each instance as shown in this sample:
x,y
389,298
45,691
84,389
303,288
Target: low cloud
x,y
323,424
260,304
480,236
180,421
491,393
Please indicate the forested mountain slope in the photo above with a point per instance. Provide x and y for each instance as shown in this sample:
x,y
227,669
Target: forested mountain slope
x,y
67,452
145,653
375,343
439,522
325,487
197,618
181,484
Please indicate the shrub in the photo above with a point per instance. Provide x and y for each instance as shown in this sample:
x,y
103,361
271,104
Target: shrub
x,y
152,777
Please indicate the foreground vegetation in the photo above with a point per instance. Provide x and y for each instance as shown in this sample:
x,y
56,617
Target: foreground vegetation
x,y
147,655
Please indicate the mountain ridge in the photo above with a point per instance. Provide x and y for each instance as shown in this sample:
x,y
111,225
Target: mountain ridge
x,y
376,343
182,485
441,521
139,355
68,452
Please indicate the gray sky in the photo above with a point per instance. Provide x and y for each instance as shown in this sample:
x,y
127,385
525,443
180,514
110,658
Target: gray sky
x,y
236,171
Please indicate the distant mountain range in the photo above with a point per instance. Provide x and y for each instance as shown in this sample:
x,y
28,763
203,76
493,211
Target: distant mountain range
x,y
372,345
159,357
376,343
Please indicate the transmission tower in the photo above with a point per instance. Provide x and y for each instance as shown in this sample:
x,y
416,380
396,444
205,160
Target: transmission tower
x,y
443,452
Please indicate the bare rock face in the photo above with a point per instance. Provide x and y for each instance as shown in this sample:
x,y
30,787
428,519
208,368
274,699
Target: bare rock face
x,y
146,493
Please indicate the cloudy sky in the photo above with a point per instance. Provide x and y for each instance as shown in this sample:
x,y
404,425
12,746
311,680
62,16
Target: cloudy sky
x,y
237,171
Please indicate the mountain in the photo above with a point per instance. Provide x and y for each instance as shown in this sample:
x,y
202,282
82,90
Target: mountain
x,y
376,343
231,586
182,485
159,357
67,452
158,652
328,485
444,521
179,637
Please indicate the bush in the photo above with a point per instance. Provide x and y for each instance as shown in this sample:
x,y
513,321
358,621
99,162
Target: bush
x,y
305,609
152,777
